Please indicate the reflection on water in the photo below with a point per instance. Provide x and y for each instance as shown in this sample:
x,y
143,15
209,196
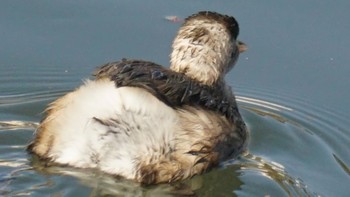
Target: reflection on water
x,y
342,164
14,125
287,145
276,172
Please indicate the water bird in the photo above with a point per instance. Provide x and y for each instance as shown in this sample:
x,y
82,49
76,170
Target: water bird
x,y
145,122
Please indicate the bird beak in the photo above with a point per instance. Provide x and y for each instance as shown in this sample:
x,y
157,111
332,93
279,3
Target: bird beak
x,y
241,46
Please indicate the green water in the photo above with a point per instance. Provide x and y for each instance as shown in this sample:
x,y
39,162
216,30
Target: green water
x,y
291,86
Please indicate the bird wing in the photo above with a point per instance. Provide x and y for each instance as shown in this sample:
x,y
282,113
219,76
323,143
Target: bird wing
x,y
173,88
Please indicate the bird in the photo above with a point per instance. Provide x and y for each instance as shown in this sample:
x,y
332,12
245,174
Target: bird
x,y
145,122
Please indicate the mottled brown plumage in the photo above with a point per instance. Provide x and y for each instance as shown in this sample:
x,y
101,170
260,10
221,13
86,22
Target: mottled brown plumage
x,y
178,91
148,123
228,21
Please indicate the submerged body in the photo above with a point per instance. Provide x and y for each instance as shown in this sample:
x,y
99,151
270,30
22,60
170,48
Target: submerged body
x,y
143,130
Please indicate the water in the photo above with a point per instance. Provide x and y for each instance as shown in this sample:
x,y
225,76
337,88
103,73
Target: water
x,y
291,87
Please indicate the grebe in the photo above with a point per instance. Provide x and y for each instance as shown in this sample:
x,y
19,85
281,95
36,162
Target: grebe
x,y
148,123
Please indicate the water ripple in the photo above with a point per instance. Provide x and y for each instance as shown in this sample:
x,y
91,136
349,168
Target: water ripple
x,y
317,121
23,98
276,172
329,138
14,124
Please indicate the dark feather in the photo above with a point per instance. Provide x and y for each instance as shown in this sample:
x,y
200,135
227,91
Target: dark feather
x,y
173,88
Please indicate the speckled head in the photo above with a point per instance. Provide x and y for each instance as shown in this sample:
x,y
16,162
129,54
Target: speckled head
x,y
206,47
228,21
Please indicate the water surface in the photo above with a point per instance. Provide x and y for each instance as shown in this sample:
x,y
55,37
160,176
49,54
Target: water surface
x,y
291,87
